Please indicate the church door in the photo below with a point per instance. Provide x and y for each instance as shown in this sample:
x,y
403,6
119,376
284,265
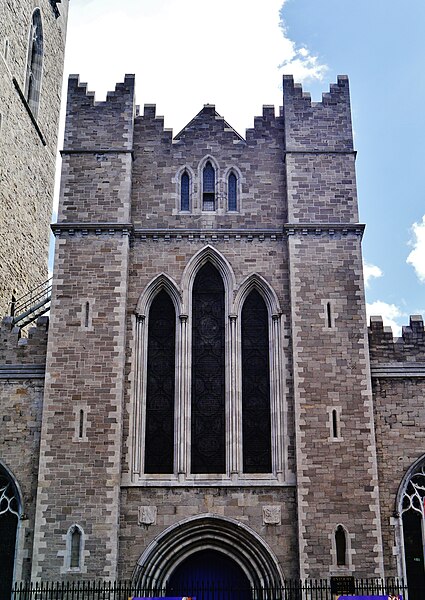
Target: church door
x,y
209,575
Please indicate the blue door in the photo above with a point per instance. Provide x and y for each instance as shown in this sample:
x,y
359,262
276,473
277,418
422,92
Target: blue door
x,y
209,575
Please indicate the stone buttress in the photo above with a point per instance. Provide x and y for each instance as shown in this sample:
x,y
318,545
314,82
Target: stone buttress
x,y
337,483
81,435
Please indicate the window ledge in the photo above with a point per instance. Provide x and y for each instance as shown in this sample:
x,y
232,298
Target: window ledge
x,y
29,111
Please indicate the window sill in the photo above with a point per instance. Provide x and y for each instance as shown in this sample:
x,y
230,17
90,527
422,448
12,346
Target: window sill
x,y
29,111
206,481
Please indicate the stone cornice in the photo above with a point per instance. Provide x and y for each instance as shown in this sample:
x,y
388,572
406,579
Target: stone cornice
x,y
142,233
397,370
22,371
91,228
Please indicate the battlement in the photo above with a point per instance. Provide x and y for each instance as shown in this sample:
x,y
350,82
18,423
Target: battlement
x,y
107,124
317,126
410,347
18,350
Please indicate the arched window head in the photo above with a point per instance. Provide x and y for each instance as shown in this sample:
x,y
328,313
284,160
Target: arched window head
x,y
185,192
232,192
9,515
34,63
341,546
75,547
208,188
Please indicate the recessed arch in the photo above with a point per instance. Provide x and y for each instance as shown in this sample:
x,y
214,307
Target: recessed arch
x,y
256,281
10,515
229,536
198,260
161,282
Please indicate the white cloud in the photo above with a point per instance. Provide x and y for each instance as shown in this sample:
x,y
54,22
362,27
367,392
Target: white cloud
x,y
370,272
417,256
187,53
389,314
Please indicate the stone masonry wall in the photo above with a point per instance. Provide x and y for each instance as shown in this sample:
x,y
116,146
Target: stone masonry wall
x,y
85,358
27,156
336,470
22,363
398,379
174,505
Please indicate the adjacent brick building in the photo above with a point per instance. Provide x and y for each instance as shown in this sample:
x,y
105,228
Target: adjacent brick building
x,y
213,404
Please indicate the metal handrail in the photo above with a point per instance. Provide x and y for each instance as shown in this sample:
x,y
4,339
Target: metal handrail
x,y
31,305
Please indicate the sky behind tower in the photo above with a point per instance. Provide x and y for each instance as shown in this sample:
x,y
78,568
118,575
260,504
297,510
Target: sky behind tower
x,y
233,53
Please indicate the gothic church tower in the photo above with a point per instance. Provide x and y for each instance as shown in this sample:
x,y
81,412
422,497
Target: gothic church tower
x,y
32,45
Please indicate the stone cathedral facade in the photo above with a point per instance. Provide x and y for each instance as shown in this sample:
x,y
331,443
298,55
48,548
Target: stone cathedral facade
x,y
207,397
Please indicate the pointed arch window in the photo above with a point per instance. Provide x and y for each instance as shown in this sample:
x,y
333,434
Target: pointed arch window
x,y
208,188
159,430
232,192
341,546
256,414
34,63
9,515
208,373
185,192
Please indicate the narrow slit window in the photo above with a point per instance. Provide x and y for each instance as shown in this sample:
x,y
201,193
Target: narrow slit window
x,y
86,314
335,428
81,424
208,188
232,183
75,549
329,314
185,192
341,546
6,49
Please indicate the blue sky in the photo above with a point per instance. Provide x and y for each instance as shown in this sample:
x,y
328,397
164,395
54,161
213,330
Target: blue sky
x,y
233,53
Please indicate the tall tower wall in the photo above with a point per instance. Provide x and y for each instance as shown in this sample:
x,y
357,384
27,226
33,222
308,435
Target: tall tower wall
x,y
86,352
336,459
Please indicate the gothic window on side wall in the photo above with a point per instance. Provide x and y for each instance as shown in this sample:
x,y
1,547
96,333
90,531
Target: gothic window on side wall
x,y
9,516
256,417
34,63
413,520
208,373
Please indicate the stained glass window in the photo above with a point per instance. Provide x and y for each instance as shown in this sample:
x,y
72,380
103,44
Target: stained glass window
x,y
185,186
232,192
256,417
208,188
208,373
159,432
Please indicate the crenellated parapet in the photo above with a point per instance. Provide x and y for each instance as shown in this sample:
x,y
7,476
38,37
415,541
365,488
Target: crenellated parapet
x,y
317,126
106,125
17,351
409,348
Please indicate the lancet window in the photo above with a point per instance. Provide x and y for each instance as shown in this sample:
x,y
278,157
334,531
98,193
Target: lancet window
x,y
207,385
34,63
232,192
208,188
185,191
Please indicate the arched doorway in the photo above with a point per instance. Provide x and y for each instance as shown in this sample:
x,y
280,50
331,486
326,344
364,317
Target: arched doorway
x,y
209,575
210,550
9,516
412,501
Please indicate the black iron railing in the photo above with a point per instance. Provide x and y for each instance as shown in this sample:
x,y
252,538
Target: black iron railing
x,y
310,589
32,305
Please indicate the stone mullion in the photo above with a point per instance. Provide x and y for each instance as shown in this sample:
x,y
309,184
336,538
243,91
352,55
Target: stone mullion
x,y
139,410
234,430
276,393
183,400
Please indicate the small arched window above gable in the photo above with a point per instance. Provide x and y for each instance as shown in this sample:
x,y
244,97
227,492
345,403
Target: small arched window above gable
x,y
185,192
34,63
232,192
208,188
